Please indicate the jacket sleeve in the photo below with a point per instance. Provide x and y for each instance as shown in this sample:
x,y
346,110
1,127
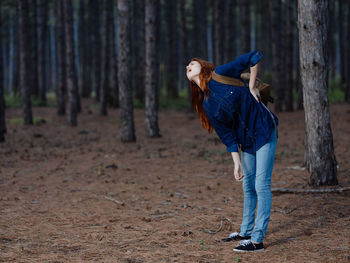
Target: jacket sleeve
x,y
236,67
226,134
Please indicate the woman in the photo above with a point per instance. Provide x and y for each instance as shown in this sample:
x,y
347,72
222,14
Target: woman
x,y
242,122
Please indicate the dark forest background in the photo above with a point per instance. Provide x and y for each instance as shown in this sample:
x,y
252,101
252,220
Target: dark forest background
x,y
70,50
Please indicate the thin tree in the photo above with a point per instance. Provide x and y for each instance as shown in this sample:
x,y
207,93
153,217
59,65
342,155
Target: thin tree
x,y
319,154
70,68
2,101
127,130
42,28
245,25
139,80
33,46
84,54
114,67
60,59
229,31
151,102
172,49
199,10
341,18
94,17
23,9
185,37
218,29
347,91
277,61
288,98
106,33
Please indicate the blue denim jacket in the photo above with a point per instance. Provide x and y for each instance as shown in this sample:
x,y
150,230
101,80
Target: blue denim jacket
x,y
238,119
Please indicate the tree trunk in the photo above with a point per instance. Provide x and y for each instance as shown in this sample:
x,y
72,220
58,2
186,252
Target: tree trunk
x,y
341,18
245,25
23,9
139,50
114,68
199,35
42,28
172,49
229,31
218,42
288,98
33,44
331,40
107,13
60,60
312,23
84,53
71,76
347,91
151,65
125,91
96,44
185,50
2,101
276,44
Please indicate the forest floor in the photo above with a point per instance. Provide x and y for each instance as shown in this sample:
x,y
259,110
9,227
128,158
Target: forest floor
x,y
80,195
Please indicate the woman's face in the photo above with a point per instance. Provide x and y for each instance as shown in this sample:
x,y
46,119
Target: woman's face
x,y
193,70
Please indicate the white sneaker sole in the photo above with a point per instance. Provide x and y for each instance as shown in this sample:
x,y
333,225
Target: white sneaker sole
x,y
256,250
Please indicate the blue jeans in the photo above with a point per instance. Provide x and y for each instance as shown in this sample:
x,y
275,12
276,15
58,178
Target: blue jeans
x,y
257,171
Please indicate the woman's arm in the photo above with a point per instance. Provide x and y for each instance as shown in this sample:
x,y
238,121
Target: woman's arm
x,y
253,73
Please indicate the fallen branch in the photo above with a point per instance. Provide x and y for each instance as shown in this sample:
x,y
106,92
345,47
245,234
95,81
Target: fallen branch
x,y
213,232
325,190
114,200
284,212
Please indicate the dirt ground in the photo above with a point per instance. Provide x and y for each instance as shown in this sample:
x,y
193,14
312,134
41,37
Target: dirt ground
x,y
80,195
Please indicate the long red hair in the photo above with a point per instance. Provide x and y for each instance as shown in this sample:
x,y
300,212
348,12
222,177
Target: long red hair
x,y
197,94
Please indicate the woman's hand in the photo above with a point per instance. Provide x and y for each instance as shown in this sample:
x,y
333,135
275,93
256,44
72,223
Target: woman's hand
x,y
255,92
238,171
237,166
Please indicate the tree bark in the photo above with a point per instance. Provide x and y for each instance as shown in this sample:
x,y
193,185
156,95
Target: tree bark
x,y
288,98
218,43
185,49
41,40
172,50
72,86
245,25
331,40
347,90
341,18
96,44
2,100
33,44
60,59
84,53
229,31
199,35
23,9
277,62
139,50
106,33
127,130
151,65
312,23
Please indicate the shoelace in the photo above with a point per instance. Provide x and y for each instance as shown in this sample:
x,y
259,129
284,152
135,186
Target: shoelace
x,y
246,242
233,234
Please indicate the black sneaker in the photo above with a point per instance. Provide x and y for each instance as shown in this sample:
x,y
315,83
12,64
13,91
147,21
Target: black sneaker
x,y
249,246
234,237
